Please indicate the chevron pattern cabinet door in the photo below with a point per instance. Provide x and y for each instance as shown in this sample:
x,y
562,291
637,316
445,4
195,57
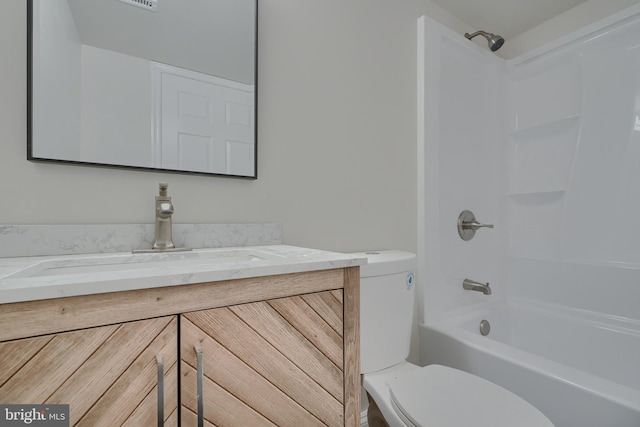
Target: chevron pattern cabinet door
x,y
269,363
108,375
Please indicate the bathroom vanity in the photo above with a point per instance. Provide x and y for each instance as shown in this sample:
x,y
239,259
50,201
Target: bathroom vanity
x,y
238,341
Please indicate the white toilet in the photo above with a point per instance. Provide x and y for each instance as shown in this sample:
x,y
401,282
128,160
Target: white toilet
x,y
409,395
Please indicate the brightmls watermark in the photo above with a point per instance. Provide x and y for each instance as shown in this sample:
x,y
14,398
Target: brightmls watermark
x,y
34,415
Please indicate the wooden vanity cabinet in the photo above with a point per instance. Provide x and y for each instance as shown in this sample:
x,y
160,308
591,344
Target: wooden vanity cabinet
x,y
268,351
107,375
276,362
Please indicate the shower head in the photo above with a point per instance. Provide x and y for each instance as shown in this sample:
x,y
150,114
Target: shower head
x,y
495,41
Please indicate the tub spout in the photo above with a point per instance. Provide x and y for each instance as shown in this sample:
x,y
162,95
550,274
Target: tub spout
x,y
472,285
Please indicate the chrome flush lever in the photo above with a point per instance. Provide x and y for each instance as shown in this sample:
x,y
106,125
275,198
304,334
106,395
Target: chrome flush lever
x,y
467,225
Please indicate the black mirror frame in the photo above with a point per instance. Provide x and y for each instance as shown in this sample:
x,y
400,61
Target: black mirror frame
x,y
33,158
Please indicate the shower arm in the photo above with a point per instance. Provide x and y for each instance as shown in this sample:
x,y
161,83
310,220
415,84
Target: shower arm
x,y
495,41
477,33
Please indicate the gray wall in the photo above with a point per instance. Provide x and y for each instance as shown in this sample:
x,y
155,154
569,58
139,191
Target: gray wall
x,y
337,135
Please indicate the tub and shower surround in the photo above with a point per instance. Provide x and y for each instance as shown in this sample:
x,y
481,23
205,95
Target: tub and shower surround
x,y
550,148
573,162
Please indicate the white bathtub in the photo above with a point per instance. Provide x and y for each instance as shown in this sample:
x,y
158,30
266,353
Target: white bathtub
x,y
580,369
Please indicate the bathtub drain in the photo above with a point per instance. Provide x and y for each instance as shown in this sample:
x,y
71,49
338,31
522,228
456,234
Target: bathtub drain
x,y
485,327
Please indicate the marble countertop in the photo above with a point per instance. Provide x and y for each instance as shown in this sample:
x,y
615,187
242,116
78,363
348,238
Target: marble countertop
x,y
45,277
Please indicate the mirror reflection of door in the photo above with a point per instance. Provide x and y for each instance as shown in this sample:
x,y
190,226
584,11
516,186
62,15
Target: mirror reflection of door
x,y
205,123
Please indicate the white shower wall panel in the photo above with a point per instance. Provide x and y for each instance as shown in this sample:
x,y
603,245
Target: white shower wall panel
x,y
544,90
534,223
606,146
546,147
549,147
573,167
464,107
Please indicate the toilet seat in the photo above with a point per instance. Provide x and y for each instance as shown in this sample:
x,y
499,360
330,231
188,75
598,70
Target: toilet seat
x,y
440,396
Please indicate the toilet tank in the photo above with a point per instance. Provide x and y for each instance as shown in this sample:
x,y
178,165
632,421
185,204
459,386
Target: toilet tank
x,y
386,308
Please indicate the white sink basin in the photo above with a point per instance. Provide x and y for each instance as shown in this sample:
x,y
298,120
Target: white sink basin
x,y
141,261
39,278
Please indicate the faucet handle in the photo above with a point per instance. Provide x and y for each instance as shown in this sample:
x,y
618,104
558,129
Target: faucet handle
x,y
467,225
474,225
165,209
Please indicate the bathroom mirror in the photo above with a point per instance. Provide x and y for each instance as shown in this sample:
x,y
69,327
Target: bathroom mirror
x,y
148,84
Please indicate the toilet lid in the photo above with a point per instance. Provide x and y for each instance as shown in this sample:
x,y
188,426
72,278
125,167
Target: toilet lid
x,y
440,396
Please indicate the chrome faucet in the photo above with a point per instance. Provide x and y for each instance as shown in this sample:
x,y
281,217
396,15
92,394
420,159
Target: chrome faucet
x,y
472,285
164,211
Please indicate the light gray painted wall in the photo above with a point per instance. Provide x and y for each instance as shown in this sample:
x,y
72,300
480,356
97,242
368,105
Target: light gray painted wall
x,y
337,135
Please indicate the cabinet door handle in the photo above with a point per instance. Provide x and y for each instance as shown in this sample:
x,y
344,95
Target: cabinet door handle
x,y
160,363
198,349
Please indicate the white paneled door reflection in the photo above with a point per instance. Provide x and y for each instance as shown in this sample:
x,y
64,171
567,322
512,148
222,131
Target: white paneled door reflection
x,y
206,125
